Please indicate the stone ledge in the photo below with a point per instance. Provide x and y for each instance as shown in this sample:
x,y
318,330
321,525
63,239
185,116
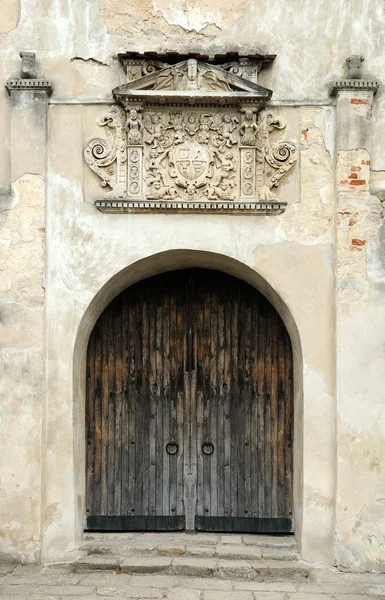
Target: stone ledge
x,y
154,206
356,85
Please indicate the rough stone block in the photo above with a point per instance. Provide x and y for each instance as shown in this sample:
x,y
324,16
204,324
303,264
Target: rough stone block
x,y
280,571
231,539
235,569
215,595
145,564
267,541
151,593
171,549
279,553
208,551
232,551
194,567
179,593
95,563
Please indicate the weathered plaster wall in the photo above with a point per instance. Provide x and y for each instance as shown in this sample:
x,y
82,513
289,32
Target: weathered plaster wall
x,y
76,44
21,381
360,312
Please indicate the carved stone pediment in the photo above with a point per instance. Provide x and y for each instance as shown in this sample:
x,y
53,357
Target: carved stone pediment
x,y
192,81
190,137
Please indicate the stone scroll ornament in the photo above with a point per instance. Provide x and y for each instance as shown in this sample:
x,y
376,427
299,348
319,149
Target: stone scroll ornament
x,y
189,135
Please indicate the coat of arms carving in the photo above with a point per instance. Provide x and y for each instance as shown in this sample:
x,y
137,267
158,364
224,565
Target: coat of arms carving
x,y
190,136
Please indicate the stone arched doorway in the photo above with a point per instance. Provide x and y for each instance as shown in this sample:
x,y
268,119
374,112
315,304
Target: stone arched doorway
x,y
189,409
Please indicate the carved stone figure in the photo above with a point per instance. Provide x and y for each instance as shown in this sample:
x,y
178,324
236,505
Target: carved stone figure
x,y
248,129
134,128
156,124
195,77
228,127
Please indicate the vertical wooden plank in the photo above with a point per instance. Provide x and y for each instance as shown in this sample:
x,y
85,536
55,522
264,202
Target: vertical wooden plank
x,y
206,430
159,400
200,348
227,405
234,487
144,399
126,507
254,442
274,412
110,322
152,397
90,425
248,378
289,425
133,475
98,420
118,407
179,393
213,437
268,425
281,420
261,407
105,398
221,403
169,484
242,398
177,488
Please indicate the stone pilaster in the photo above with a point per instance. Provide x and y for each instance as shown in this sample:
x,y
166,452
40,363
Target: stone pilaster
x,y
357,220
29,97
22,310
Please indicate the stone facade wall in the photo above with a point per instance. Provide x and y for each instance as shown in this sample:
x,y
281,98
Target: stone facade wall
x,y
321,262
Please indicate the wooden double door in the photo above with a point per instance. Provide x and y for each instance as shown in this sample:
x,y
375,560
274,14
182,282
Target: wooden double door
x,y
189,421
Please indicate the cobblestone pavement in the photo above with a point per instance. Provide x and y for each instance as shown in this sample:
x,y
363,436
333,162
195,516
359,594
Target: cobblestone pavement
x,y
61,583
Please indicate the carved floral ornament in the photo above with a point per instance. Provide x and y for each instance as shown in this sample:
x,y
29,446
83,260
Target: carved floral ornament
x,y
190,137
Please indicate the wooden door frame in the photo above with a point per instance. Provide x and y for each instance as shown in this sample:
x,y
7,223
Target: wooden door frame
x,y
153,265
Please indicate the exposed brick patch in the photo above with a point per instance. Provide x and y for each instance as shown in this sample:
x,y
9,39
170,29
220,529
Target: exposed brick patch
x,y
353,176
355,169
352,222
356,242
358,182
365,162
304,133
359,101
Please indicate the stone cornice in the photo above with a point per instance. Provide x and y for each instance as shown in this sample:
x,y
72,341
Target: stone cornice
x,y
29,84
355,85
113,206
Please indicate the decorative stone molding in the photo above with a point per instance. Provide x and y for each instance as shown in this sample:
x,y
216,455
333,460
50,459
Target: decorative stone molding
x,y
29,79
143,206
354,85
190,136
354,81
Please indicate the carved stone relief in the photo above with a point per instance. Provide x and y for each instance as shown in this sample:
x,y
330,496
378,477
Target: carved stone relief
x,y
173,155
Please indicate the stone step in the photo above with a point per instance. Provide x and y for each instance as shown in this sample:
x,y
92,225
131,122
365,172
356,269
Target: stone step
x,y
198,539
227,551
186,566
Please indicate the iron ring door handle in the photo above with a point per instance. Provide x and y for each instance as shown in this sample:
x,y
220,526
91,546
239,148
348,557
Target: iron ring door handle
x,y
207,448
172,448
